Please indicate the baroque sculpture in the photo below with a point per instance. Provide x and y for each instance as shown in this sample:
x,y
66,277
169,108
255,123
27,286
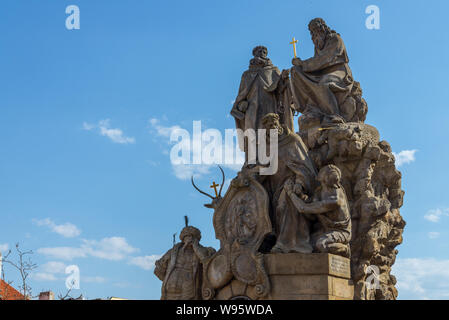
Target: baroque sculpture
x,y
180,268
331,209
262,90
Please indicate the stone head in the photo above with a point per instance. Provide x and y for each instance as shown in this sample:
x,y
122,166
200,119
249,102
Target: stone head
x,y
271,121
385,146
356,89
330,176
319,31
189,233
260,51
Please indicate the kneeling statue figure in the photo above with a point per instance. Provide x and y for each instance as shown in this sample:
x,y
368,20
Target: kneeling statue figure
x,y
331,207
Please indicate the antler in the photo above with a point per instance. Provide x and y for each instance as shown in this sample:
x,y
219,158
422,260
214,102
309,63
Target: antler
x,y
214,199
222,182
206,194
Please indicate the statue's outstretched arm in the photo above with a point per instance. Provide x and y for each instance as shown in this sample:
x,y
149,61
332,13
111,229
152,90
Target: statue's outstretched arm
x,y
317,207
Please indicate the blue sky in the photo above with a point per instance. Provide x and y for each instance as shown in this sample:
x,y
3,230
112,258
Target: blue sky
x,y
85,116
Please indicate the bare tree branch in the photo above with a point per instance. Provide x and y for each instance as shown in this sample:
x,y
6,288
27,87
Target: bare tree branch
x,y
67,296
24,266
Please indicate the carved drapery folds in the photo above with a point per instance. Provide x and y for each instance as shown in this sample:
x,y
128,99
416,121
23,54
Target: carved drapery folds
x,y
336,190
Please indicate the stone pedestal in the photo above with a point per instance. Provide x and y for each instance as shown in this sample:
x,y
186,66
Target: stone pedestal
x,y
294,276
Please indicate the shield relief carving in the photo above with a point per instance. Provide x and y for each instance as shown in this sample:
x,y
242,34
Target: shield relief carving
x,y
241,222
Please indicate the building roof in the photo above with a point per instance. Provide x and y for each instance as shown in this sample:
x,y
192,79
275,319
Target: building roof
x,y
9,293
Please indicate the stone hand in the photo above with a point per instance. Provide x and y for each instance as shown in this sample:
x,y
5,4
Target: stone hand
x,y
285,74
297,62
242,106
298,189
300,204
289,187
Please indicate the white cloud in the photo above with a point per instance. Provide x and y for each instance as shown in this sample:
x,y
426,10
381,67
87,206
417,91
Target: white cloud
x,y
422,278
113,248
49,271
433,235
114,134
185,171
55,270
96,279
4,247
435,215
161,130
67,230
42,276
63,253
53,267
88,126
145,262
404,157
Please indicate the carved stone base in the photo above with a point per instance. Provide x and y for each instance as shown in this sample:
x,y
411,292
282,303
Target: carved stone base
x,y
295,276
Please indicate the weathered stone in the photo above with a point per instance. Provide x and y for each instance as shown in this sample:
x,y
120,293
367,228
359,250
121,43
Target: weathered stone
x,y
349,210
180,269
296,276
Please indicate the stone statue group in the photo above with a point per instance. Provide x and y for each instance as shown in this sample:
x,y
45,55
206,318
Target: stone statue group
x,y
336,189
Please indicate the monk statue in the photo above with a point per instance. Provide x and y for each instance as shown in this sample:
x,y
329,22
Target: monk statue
x,y
332,209
180,269
322,85
263,89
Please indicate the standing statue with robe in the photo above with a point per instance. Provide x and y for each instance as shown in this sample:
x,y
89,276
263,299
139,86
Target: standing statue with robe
x,y
263,89
180,269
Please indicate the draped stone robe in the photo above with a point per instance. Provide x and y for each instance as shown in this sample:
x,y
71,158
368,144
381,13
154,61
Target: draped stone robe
x,y
180,269
290,226
323,82
258,89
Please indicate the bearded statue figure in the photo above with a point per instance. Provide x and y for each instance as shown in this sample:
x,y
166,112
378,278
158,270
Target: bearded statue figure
x,y
180,269
322,84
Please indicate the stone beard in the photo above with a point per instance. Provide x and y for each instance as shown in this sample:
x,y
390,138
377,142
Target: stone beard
x,y
310,229
322,83
180,268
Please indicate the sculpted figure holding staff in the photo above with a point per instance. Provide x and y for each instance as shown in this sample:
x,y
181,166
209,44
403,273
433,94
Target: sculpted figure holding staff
x,y
322,83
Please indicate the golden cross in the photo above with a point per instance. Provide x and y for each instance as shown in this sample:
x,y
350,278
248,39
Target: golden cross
x,y
294,42
214,186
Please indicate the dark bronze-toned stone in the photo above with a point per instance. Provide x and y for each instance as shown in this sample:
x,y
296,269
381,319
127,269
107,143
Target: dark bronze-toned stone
x,y
180,269
332,207
318,226
323,86
263,90
241,222
294,166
